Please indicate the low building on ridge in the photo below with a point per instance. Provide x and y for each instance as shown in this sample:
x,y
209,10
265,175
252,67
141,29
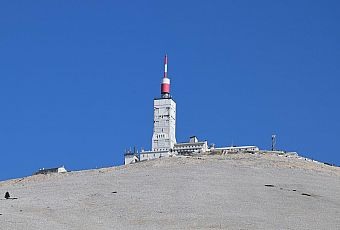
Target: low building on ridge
x,y
51,170
192,147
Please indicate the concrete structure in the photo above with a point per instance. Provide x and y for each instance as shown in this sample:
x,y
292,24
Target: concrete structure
x,y
164,128
131,157
149,155
164,132
235,149
51,170
192,147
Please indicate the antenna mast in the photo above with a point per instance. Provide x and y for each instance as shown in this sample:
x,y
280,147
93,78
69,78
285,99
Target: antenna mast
x,y
273,142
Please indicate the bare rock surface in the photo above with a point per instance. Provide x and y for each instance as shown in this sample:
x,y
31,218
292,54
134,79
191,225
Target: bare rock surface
x,y
239,191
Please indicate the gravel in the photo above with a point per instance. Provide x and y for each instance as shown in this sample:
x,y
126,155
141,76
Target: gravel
x,y
238,191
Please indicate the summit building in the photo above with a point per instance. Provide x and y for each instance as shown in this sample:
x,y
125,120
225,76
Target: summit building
x,y
164,116
164,131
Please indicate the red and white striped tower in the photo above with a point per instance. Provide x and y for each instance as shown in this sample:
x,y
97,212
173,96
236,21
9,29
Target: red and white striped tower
x,y
164,126
165,86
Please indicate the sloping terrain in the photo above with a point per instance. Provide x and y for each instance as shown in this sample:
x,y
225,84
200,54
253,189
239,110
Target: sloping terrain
x,y
239,191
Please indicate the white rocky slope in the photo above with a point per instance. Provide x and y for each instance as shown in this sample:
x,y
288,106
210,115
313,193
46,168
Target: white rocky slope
x,y
241,191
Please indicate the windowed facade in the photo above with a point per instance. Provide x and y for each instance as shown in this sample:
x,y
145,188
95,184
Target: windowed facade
x,y
164,131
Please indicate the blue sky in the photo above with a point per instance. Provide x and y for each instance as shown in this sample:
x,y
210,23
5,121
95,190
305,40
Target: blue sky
x,y
78,78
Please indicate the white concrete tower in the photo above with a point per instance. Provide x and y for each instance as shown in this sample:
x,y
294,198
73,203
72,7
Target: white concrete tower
x,y
164,128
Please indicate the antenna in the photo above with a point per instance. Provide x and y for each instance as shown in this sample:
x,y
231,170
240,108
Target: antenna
x,y
165,86
166,66
232,143
273,142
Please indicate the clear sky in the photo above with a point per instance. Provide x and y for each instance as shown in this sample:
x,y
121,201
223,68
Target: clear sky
x,y
78,78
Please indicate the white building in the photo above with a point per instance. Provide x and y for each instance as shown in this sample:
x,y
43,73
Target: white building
x,y
51,170
192,147
164,131
130,158
149,155
235,149
164,124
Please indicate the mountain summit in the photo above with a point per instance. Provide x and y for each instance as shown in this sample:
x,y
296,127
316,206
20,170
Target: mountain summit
x,y
234,191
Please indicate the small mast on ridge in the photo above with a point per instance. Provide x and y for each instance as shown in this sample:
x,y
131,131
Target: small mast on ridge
x,y
165,86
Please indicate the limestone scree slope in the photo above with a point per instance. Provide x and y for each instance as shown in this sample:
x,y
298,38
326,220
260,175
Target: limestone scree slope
x,y
238,191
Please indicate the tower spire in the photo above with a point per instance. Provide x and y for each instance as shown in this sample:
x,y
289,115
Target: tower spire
x,y
165,86
166,66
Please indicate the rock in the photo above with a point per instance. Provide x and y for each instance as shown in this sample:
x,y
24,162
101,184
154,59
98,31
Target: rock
x,y
7,196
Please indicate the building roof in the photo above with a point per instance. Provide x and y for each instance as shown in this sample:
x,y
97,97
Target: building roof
x,y
191,143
